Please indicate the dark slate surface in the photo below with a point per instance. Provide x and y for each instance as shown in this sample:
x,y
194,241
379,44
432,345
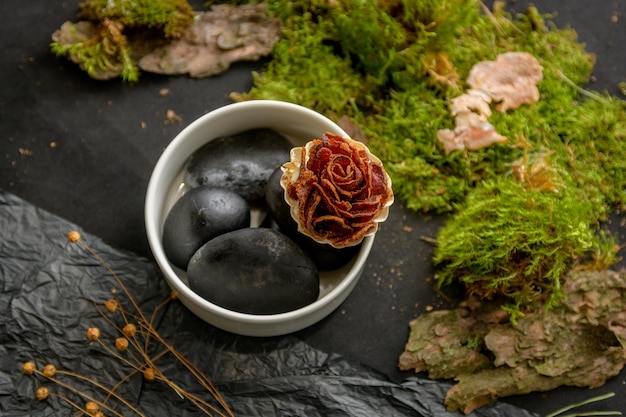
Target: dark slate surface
x,y
84,150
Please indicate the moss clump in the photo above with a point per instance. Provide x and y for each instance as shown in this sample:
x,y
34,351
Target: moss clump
x,y
393,66
171,17
99,49
330,76
399,91
514,242
99,42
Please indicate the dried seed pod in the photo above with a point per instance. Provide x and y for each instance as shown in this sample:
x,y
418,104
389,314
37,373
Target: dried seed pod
x,y
73,236
337,190
93,333
111,305
121,344
149,374
29,368
42,393
49,371
129,330
92,408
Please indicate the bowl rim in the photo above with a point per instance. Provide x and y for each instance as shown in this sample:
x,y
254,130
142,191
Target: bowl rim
x,y
153,229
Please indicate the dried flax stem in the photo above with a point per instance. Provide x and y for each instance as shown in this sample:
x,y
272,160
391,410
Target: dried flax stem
x,y
586,402
86,396
117,278
150,324
589,94
77,406
145,362
148,362
492,18
200,377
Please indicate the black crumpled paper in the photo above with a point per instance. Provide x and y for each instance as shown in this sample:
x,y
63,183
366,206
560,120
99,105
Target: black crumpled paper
x,y
49,287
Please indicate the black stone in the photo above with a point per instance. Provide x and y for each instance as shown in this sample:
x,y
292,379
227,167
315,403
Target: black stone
x,y
197,217
254,271
241,163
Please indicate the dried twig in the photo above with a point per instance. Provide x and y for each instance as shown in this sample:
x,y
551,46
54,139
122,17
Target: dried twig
x,y
137,337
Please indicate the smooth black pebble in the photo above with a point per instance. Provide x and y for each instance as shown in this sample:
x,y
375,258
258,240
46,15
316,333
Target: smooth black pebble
x,y
241,163
254,271
197,217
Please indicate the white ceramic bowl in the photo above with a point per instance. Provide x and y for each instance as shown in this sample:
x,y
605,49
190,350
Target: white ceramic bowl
x,y
299,125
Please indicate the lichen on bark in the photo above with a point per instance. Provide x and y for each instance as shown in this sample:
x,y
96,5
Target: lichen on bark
x,y
122,38
582,342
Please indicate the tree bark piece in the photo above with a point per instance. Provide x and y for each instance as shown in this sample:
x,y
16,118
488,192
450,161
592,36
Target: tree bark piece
x,y
580,343
218,38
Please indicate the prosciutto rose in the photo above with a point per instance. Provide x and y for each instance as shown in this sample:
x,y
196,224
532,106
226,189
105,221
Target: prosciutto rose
x,y
337,190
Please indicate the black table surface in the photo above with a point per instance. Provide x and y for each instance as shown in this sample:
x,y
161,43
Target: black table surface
x,y
85,149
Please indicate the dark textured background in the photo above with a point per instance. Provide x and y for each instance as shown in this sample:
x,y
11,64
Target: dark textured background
x,y
76,147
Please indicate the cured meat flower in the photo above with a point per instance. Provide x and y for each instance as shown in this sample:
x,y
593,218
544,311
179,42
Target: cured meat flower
x,y
337,190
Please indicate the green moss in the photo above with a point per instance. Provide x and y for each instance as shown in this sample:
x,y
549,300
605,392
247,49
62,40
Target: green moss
x,y
107,49
172,17
319,79
513,241
372,63
394,66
